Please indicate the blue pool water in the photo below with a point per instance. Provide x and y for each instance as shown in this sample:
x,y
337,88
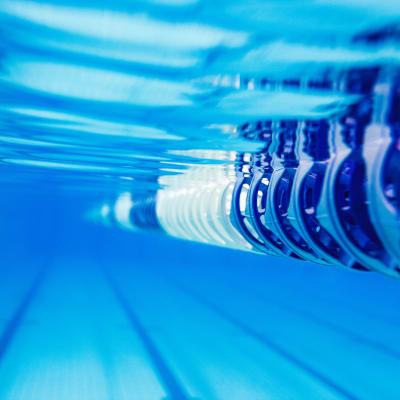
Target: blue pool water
x,y
112,97
90,313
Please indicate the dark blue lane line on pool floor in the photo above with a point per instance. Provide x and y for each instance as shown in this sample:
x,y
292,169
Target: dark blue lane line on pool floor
x,y
263,340
16,319
356,337
171,384
349,333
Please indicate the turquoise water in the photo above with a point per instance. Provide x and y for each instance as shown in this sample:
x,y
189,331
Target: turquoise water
x,y
94,96
93,313
101,98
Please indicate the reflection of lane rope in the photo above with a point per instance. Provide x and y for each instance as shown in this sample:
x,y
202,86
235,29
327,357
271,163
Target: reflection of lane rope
x,y
326,191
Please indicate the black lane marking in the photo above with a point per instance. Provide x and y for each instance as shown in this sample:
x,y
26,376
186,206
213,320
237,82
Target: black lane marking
x,y
265,341
14,322
172,386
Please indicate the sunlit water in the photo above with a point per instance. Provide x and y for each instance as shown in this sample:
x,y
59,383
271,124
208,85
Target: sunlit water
x,y
112,95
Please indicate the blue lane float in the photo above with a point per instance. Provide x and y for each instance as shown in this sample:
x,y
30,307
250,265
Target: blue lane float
x,y
324,190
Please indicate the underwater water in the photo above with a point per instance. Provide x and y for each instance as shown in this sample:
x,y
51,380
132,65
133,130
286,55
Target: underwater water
x,y
105,104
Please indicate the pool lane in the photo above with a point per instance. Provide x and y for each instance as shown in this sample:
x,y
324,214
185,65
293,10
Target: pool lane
x,y
324,303
18,290
213,358
79,344
360,367
173,387
103,328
